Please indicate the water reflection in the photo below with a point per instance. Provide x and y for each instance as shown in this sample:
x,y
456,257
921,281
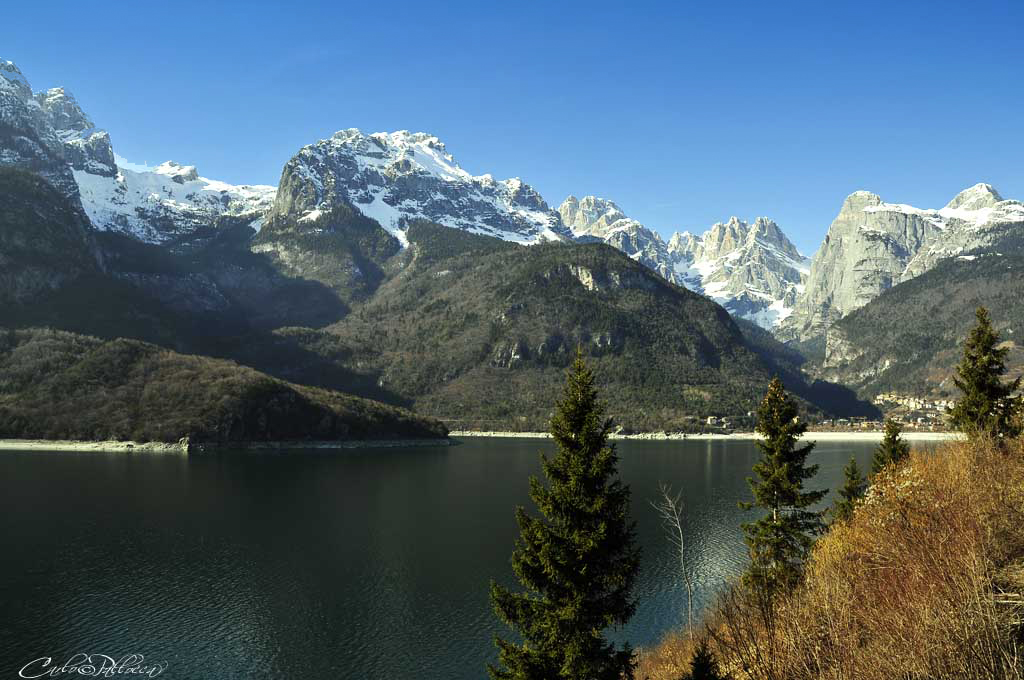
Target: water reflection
x,y
358,564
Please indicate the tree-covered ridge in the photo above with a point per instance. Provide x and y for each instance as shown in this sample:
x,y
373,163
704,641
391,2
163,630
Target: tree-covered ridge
x,y
907,340
465,327
57,385
341,249
482,336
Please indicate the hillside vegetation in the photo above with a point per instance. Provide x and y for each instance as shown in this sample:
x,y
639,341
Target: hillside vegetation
x,y
482,339
924,581
906,340
58,385
465,328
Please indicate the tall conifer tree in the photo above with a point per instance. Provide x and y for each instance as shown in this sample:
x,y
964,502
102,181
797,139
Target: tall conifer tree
x,y
853,488
988,407
578,560
703,664
893,448
779,541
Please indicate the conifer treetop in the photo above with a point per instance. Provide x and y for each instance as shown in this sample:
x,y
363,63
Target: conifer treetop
x,y
578,559
987,407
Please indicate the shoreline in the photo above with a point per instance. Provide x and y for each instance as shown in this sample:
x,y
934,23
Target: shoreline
x,y
869,435
184,448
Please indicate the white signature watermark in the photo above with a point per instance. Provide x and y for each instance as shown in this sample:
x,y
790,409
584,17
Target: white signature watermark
x,y
92,665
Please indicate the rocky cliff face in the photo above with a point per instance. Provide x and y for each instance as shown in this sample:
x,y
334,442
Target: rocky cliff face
x,y
753,270
169,201
28,140
399,177
45,239
86,148
48,133
600,219
872,245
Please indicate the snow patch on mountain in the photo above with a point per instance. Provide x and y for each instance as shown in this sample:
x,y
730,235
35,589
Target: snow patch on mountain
x,y
753,270
398,177
60,142
168,201
873,245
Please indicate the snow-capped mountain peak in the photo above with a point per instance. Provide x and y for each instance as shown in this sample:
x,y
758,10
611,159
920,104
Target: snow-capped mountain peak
x,y
177,172
34,144
60,142
753,270
977,197
398,177
12,78
901,242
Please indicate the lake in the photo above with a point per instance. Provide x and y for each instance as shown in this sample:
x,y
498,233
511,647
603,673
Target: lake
x,y
368,563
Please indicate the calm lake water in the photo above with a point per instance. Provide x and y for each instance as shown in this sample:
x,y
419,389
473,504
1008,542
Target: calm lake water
x,y
355,564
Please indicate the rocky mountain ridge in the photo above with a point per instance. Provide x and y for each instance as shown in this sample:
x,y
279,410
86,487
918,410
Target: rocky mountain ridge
x,y
49,134
392,178
592,218
753,270
873,245
399,177
335,192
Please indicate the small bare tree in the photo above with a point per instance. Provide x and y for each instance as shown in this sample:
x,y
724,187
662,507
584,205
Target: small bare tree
x,y
669,507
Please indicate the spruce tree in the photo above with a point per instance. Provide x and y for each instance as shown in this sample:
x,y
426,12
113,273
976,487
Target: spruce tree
x,y
578,560
988,407
853,488
779,541
893,448
704,665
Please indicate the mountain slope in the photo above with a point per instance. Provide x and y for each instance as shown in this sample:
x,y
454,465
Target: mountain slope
x,y
398,177
49,134
166,202
908,339
186,293
56,385
872,246
754,271
44,238
481,338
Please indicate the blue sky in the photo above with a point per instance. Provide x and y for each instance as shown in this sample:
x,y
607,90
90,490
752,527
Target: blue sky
x,y
683,113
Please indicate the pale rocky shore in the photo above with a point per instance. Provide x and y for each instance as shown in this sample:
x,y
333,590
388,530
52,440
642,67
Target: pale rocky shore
x,y
87,446
185,448
874,435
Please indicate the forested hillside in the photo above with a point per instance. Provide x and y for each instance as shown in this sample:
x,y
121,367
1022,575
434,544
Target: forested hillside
x,y
907,339
57,385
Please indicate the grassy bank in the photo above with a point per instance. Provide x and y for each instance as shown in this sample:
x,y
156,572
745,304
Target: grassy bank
x,y
925,581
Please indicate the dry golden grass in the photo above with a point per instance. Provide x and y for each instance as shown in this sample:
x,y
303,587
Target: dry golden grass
x,y
925,581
